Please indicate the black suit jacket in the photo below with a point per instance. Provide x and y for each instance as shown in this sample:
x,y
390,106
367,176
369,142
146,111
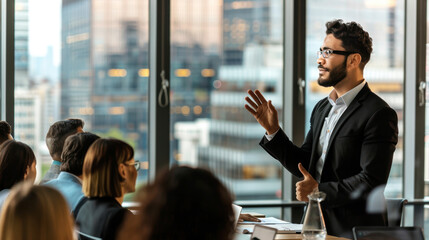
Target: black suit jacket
x,y
100,217
359,155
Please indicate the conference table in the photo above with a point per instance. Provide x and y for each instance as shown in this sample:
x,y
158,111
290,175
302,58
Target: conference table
x,y
241,236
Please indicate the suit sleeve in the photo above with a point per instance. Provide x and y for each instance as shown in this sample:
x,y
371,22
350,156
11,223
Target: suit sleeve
x,y
288,154
379,141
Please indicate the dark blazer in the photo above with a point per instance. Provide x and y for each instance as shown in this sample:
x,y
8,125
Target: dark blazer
x,y
101,218
359,155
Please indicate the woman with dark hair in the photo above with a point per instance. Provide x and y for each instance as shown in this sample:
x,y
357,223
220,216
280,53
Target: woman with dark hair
x,y
184,203
109,172
17,163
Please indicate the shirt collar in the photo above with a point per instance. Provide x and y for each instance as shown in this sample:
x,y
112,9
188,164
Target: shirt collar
x,y
348,97
65,174
54,162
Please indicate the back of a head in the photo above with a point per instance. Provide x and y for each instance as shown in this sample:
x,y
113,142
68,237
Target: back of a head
x,y
101,176
187,203
33,212
15,157
74,151
5,131
353,37
57,134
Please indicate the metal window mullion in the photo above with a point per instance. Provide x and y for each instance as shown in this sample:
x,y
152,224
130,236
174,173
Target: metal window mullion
x,y
414,115
7,61
159,61
293,70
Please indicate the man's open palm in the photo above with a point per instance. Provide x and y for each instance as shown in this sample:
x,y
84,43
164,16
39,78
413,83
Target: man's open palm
x,y
264,112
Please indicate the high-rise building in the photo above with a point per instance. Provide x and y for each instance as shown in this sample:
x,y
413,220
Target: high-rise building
x,y
251,58
196,43
104,73
21,44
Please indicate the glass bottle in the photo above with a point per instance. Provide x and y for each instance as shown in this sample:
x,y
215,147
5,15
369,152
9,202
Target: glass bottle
x,y
314,225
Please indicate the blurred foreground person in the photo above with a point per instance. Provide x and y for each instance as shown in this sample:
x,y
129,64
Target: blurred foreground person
x,y
183,203
35,213
109,172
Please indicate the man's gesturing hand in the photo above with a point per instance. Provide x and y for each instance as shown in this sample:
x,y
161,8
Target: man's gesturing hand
x,y
306,186
264,112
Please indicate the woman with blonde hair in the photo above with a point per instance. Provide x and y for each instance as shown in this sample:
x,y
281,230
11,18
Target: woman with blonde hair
x,y
35,213
109,172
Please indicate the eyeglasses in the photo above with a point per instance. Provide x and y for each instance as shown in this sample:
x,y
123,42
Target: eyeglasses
x,y
136,164
328,52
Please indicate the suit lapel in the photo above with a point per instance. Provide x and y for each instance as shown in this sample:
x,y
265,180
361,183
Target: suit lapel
x,y
354,105
320,119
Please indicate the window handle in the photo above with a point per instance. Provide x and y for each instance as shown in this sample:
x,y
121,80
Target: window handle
x,y
163,91
422,93
301,87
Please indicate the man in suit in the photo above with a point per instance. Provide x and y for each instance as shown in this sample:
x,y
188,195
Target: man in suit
x,y
69,181
55,138
352,137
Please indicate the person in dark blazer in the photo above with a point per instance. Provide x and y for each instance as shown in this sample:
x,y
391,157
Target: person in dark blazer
x,y
109,172
352,137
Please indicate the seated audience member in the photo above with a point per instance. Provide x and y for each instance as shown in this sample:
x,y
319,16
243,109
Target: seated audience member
x,y
5,131
69,181
35,212
183,203
109,172
17,162
55,139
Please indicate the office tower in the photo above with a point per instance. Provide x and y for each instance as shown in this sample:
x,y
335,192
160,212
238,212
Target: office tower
x,y
196,43
104,73
245,22
21,44
251,58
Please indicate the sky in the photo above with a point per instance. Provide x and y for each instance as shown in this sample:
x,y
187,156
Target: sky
x,y
45,27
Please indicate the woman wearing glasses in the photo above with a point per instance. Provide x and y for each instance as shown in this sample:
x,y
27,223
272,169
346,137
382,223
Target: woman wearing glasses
x,y
109,172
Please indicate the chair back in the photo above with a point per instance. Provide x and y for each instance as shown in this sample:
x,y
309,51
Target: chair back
x,y
83,236
387,233
395,207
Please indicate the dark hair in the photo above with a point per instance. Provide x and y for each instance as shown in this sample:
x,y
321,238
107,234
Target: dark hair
x,y
15,157
58,133
101,177
75,148
5,130
353,37
186,203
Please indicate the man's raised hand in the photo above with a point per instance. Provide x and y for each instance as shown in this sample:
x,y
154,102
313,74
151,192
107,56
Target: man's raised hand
x,y
263,111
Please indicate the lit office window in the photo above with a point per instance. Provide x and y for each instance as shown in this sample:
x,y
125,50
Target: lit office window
x,y
219,50
384,20
86,59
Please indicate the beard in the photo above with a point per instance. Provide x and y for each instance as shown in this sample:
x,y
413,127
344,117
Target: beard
x,y
337,74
